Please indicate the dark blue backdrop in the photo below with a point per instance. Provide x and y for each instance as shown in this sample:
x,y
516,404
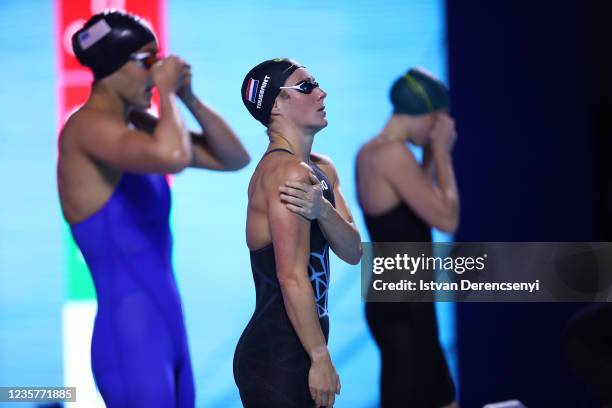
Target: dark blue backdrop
x,y
531,100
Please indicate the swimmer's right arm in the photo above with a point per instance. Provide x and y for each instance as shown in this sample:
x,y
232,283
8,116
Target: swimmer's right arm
x,y
167,150
291,240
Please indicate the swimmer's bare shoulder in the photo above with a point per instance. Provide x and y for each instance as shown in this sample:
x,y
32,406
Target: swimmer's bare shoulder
x,y
264,195
366,156
88,128
383,156
280,169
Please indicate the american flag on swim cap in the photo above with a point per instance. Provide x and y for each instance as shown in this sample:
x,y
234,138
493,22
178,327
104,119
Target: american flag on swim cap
x,y
251,90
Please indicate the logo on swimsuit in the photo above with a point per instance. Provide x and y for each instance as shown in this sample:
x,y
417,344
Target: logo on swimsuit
x,y
324,185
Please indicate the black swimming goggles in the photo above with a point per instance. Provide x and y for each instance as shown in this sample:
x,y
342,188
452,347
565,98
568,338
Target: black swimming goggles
x,y
306,86
145,59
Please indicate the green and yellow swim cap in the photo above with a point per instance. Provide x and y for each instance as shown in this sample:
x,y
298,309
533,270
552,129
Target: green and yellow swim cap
x,y
418,92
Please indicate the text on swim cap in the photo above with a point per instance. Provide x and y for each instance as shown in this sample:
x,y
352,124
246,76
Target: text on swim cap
x,y
93,34
262,90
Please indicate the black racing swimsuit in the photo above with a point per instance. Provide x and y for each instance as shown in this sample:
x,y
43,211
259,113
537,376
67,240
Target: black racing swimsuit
x,y
414,371
270,364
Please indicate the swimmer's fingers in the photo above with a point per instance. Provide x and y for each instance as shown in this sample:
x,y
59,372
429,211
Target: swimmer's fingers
x,y
304,207
298,210
185,82
314,179
294,200
296,185
296,192
324,399
339,387
186,72
311,192
316,396
331,397
308,197
185,92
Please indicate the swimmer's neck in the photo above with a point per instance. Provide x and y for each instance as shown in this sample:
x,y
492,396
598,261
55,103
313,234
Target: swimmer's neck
x,y
397,128
102,98
297,140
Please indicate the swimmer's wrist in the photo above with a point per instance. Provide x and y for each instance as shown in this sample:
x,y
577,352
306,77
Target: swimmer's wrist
x,y
439,153
166,92
319,353
326,209
189,99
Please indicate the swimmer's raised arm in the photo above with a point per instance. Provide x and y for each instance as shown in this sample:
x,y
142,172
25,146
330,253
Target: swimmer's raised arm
x,y
437,205
216,146
108,139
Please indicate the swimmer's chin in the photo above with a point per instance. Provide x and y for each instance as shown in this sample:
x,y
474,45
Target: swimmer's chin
x,y
320,126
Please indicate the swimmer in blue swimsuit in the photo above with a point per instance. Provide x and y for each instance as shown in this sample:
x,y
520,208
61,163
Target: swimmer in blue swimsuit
x,y
296,213
113,158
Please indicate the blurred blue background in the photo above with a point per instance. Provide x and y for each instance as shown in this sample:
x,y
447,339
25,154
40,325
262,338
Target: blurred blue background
x,y
355,49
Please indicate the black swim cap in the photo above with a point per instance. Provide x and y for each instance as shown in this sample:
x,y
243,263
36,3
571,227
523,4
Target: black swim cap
x,y
108,39
418,92
262,85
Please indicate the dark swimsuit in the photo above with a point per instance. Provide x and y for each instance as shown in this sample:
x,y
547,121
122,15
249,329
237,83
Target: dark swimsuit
x,y
270,364
414,371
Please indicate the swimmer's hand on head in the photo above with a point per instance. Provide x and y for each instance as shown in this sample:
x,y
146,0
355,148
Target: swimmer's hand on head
x,y
168,74
185,93
323,380
442,140
443,135
216,146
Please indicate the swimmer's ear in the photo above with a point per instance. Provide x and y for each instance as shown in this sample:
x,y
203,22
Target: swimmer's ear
x,y
275,109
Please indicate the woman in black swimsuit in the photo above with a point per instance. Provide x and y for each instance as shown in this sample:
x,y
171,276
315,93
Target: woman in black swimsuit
x,y
401,201
296,212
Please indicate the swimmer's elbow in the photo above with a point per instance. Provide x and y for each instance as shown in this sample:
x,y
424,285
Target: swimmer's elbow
x,y
289,281
175,160
245,160
448,217
449,225
241,161
356,256
449,229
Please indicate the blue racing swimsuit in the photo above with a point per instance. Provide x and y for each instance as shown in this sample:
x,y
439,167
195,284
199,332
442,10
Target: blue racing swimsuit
x,y
139,351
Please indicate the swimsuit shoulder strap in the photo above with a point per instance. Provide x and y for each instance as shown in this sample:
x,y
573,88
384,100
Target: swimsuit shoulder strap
x,y
276,150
